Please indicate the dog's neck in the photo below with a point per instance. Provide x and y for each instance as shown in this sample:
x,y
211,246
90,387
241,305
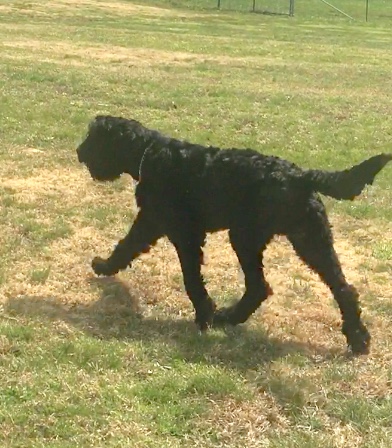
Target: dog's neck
x,y
142,146
143,159
137,158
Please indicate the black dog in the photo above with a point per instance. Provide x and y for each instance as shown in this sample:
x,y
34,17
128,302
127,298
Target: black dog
x,y
186,190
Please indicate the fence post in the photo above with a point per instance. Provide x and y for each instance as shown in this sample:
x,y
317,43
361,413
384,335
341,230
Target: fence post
x,y
254,6
219,4
291,10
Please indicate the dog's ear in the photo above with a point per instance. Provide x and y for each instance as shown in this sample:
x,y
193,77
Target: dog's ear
x,y
102,119
97,119
93,124
100,122
115,128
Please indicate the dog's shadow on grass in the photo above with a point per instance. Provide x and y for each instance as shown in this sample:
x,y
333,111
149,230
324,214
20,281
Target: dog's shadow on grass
x,y
117,315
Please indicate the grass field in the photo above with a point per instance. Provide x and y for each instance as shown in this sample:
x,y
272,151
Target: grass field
x,y
88,362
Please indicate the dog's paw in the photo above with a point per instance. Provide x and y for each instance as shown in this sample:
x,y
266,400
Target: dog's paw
x,y
359,343
358,338
205,315
224,317
102,267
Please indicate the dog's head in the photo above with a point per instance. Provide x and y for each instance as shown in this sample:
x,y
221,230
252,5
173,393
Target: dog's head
x,y
103,151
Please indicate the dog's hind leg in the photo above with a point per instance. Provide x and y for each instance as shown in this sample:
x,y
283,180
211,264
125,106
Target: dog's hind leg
x,y
313,242
249,251
142,235
190,254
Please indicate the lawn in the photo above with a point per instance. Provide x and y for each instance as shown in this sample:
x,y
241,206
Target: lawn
x,y
87,362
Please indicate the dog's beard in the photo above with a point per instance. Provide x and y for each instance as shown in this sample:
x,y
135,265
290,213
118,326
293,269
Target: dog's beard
x,y
99,178
102,175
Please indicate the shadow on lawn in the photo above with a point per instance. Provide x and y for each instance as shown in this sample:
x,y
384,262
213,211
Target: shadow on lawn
x,y
116,315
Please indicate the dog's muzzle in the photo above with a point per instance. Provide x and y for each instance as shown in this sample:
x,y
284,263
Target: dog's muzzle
x,y
80,155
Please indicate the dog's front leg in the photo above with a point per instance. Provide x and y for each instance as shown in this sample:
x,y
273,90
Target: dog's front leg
x,y
190,255
142,235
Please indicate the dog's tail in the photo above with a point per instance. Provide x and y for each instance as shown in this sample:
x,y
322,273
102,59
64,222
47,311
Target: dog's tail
x,y
349,183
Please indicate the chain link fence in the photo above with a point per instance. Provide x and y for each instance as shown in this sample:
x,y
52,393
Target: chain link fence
x,y
283,7
358,10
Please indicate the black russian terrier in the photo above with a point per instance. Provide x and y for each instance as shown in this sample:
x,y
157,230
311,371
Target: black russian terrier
x,y
185,190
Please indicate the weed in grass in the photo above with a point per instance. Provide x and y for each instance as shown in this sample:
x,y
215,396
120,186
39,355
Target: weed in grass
x,y
383,251
40,275
174,401
33,233
3,276
361,412
341,371
292,395
17,333
88,355
382,306
102,216
301,287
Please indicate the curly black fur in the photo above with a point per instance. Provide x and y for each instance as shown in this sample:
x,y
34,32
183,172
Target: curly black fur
x,y
186,190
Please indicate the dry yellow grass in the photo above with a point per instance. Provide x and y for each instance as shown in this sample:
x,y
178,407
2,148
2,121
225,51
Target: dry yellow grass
x,y
138,59
121,8
70,7
300,302
62,51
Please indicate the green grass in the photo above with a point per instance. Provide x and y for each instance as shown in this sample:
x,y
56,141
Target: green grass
x,y
88,362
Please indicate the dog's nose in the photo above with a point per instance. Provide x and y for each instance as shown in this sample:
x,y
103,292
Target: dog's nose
x,y
79,153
